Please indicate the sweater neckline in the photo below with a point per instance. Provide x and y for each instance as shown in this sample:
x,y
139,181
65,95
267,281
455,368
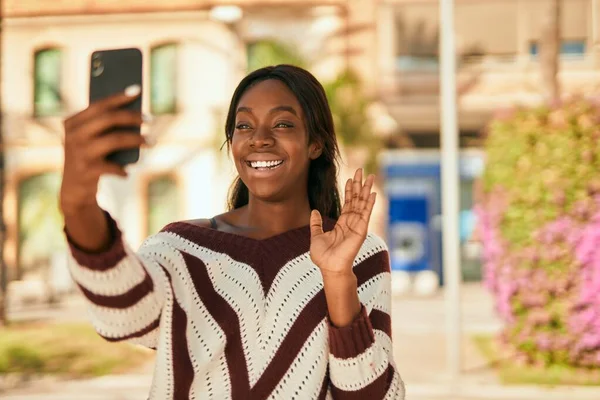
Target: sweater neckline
x,y
217,234
287,243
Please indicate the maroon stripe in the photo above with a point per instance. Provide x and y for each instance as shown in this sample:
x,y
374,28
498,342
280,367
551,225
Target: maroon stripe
x,y
228,320
104,260
351,340
124,300
372,266
375,390
310,317
382,321
135,334
183,370
324,387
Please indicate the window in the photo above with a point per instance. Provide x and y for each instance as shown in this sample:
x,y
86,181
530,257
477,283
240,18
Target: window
x,y
163,200
416,33
568,48
39,223
163,79
47,78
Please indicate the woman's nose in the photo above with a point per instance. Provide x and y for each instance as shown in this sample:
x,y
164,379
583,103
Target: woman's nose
x,y
261,137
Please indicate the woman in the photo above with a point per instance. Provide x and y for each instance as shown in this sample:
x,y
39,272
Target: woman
x,y
285,296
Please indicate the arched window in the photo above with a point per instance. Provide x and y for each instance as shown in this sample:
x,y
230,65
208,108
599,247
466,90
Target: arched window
x,y
163,79
40,224
47,100
163,203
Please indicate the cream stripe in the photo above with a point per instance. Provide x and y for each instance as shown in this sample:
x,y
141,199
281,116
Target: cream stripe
x,y
234,285
205,338
162,382
385,342
115,323
296,284
113,282
358,372
369,291
307,370
397,391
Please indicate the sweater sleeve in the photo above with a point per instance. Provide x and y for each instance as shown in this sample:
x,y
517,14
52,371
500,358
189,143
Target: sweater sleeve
x,y
125,290
361,364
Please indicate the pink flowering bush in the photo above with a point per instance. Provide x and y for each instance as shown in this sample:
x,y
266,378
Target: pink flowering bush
x,y
539,221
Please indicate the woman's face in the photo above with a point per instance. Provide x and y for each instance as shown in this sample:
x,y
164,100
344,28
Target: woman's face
x,y
270,144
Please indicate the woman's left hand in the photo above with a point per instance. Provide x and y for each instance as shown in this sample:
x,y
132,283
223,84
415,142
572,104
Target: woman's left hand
x,y
334,251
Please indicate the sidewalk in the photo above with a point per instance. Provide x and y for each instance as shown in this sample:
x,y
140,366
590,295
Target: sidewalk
x,y
419,351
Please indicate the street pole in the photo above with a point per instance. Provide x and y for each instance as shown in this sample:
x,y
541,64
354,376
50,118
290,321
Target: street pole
x,y
450,185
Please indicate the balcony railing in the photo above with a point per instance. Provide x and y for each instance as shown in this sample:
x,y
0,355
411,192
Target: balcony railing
x,y
416,79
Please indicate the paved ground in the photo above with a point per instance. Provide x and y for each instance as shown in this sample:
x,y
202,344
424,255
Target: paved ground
x,y
419,352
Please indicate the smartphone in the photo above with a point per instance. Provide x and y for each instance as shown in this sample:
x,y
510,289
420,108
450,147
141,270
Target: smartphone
x,y
111,72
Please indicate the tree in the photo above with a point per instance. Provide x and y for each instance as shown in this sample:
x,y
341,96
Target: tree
x,y
3,271
550,52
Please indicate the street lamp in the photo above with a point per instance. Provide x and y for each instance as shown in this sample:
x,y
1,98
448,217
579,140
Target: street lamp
x,y
227,14
450,185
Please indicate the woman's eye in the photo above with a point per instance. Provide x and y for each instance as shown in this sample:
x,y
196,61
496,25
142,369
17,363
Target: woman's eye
x,y
242,126
283,125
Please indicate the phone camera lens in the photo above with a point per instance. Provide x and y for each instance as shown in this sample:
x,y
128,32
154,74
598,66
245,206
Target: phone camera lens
x,y
97,66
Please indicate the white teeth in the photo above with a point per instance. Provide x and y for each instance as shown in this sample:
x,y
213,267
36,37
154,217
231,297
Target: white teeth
x,y
265,164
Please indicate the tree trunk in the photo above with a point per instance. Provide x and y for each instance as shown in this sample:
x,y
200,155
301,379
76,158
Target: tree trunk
x,y
3,271
549,52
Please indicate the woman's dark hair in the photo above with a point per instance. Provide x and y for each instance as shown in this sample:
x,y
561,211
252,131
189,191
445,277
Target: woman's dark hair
x,y
323,193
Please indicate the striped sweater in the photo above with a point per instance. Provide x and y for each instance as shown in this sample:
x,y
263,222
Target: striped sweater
x,y
233,317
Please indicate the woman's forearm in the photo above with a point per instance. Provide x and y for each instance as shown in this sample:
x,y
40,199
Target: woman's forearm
x,y
87,227
343,304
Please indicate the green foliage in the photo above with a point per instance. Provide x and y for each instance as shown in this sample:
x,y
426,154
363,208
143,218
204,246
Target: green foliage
x,y
545,159
515,373
269,52
540,222
349,105
74,350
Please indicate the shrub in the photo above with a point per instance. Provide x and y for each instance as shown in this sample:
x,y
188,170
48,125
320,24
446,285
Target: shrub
x,y
539,221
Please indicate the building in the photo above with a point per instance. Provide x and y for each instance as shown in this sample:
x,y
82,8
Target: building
x,y
497,58
193,58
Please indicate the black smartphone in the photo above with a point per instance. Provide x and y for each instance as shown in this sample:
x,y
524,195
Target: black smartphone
x,y
111,72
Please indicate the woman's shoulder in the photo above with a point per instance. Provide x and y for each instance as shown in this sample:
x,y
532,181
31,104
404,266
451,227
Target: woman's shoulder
x,y
375,242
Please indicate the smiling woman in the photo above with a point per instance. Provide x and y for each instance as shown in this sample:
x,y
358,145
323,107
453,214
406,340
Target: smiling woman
x,y
286,295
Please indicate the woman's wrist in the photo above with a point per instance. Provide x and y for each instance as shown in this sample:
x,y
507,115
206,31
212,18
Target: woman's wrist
x,y
341,293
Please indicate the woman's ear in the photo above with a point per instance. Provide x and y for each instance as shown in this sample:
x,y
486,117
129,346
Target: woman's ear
x,y
315,150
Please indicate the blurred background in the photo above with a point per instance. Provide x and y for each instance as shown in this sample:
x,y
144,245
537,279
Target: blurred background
x,y
528,77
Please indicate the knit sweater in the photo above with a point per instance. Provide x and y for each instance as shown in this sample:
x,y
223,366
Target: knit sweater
x,y
232,317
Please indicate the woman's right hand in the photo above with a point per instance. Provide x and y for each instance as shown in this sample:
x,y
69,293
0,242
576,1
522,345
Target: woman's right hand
x,y
86,147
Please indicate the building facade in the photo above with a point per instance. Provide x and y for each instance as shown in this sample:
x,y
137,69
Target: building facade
x,y
497,60
192,62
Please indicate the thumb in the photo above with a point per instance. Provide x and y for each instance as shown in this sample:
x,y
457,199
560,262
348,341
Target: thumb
x,y
316,224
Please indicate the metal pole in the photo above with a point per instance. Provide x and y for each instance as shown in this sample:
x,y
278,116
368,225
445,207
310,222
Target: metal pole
x,y
450,185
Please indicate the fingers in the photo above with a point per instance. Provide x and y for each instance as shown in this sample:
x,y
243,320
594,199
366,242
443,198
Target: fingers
x,y
108,168
347,196
366,212
106,121
365,192
359,198
105,145
356,187
103,106
316,224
